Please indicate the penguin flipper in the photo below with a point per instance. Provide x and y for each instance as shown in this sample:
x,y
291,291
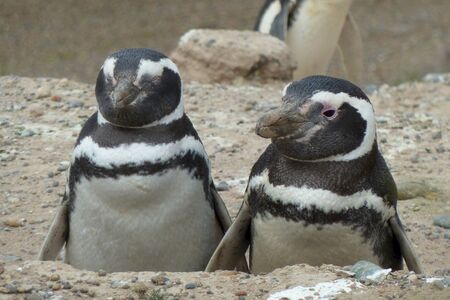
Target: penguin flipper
x,y
351,50
221,210
406,248
225,221
57,234
235,242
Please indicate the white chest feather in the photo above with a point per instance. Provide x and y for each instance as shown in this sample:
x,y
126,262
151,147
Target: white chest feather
x,y
160,222
278,242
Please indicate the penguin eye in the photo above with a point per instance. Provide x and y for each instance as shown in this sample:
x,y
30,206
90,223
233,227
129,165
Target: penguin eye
x,y
329,113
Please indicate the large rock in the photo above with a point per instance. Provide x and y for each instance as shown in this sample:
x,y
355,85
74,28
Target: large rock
x,y
206,55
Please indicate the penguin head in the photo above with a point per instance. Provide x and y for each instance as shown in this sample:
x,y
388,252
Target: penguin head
x,y
139,87
321,118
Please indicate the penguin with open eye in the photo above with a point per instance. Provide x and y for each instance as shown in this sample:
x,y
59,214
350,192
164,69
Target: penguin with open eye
x,y
320,34
140,196
321,193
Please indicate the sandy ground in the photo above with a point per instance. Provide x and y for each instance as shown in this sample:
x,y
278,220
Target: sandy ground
x,y
40,119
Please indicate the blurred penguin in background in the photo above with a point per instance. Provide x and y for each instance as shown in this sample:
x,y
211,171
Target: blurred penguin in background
x,y
322,35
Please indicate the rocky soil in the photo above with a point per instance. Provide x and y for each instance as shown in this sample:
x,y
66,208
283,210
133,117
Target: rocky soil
x,y
41,117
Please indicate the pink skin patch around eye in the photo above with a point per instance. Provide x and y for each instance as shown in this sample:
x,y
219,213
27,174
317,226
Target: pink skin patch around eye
x,y
329,111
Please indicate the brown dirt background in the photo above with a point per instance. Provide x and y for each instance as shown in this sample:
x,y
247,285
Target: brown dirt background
x,y
403,39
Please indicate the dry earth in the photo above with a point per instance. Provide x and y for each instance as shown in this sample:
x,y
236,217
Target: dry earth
x,y
40,119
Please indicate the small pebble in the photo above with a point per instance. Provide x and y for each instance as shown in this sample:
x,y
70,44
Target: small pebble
x,y
24,289
159,279
241,293
27,133
43,91
34,296
101,273
442,221
93,282
7,157
36,112
434,78
437,135
11,288
370,88
75,103
415,159
12,223
56,98
64,165
120,284
446,281
66,285
412,189
369,272
440,148
62,83
140,288
190,286
412,277
439,284
54,277
223,186
56,286
9,258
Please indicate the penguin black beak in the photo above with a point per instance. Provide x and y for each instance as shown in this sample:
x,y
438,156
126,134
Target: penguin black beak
x,y
283,121
124,94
